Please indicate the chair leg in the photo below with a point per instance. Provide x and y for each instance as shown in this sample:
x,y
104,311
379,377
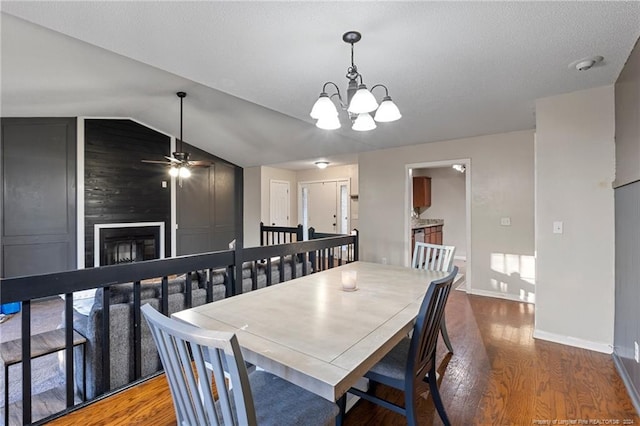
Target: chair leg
x,y
371,390
445,334
435,394
410,407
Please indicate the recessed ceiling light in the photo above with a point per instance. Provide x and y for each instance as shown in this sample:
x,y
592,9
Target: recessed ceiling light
x,y
322,164
586,64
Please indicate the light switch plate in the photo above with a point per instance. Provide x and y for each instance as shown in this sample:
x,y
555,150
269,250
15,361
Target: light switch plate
x,y
505,221
557,227
164,183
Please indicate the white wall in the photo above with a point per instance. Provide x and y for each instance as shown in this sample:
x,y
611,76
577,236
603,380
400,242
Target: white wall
x,y
501,174
252,197
448,203
574,174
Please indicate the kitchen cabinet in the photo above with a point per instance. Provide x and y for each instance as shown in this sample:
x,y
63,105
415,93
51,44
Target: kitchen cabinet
x,y
428,234
421,191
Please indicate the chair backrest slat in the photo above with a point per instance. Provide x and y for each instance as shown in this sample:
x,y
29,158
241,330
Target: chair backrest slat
x,y
193,358
426,328
433,257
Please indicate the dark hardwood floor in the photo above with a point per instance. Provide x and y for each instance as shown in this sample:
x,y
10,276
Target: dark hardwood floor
x,y
499,375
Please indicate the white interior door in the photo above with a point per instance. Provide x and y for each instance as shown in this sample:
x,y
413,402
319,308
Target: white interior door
x,y
279,203
321,209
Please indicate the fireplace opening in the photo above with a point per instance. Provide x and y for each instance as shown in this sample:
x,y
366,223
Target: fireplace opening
x,y
129,244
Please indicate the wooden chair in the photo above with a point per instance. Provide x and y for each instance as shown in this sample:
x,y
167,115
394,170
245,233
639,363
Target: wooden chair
x,y
435,258
252,398
414,360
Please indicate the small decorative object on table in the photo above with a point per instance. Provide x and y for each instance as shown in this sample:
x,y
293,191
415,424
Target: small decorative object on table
x,y
349,280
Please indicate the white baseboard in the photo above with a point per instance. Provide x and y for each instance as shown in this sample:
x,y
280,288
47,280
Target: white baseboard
x,y
573,341
460,257
498,295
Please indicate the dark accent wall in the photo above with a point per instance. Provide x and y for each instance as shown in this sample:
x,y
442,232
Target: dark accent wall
x,y
208,205
38,210
118,186
627,225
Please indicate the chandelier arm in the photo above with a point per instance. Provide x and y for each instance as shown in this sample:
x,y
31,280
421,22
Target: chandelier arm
x,y
324,87
381,85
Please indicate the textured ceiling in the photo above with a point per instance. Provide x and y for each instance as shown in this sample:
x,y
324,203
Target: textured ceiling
x,y
252,70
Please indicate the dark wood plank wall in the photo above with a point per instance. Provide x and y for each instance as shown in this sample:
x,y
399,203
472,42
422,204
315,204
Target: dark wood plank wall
x,y
118,186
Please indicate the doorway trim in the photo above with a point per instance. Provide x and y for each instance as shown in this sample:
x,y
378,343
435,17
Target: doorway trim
x,y
407,210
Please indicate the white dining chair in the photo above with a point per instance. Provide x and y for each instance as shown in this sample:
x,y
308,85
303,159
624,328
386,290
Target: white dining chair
x,y
435,257
250,399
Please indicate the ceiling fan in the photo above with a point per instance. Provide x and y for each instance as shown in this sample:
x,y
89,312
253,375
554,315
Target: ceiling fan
x,y
179,163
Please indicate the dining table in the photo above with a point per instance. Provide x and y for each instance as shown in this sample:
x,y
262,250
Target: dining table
x,y
315,333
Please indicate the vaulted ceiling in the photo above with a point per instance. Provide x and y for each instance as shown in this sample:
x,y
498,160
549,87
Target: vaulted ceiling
x,y
252,70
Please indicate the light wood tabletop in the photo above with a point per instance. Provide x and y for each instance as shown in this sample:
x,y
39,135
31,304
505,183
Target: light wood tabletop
x,y
311,332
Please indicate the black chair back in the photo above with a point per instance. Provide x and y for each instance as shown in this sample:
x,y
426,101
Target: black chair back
x,y
425,332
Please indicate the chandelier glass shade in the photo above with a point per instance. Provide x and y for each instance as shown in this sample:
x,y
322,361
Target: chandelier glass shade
x,y
360,102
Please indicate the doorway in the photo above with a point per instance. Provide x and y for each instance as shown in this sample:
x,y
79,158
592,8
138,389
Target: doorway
x,y
279,208
324,205
462,238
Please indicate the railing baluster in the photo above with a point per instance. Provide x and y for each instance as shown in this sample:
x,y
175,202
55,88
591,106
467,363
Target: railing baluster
x,y
68,350
209,286
26,363
188,290
230,281
254,276
106,340
269,272
294,268
137,332
305,267
164,298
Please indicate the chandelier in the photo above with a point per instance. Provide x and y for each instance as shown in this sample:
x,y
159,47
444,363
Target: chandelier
x,y
360,102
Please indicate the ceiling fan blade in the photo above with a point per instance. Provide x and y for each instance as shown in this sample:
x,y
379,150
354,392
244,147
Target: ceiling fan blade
x,y
200,163
155,162
175,160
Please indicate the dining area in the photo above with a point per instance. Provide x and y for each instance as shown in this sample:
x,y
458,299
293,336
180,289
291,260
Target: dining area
x,y
297,353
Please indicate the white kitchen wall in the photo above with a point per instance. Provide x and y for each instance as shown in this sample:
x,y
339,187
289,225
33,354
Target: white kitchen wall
x,y
575,168
448,203
502,170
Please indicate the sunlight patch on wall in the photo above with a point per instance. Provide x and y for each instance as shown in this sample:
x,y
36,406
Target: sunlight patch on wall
x,y
514,270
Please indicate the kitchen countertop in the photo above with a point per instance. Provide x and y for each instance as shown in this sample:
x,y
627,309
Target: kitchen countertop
x,y
426,223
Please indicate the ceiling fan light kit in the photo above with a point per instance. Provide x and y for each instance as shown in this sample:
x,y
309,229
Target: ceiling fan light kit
x,y
180,166
360,100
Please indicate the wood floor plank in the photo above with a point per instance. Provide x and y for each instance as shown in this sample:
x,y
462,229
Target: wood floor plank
x,y
499,375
